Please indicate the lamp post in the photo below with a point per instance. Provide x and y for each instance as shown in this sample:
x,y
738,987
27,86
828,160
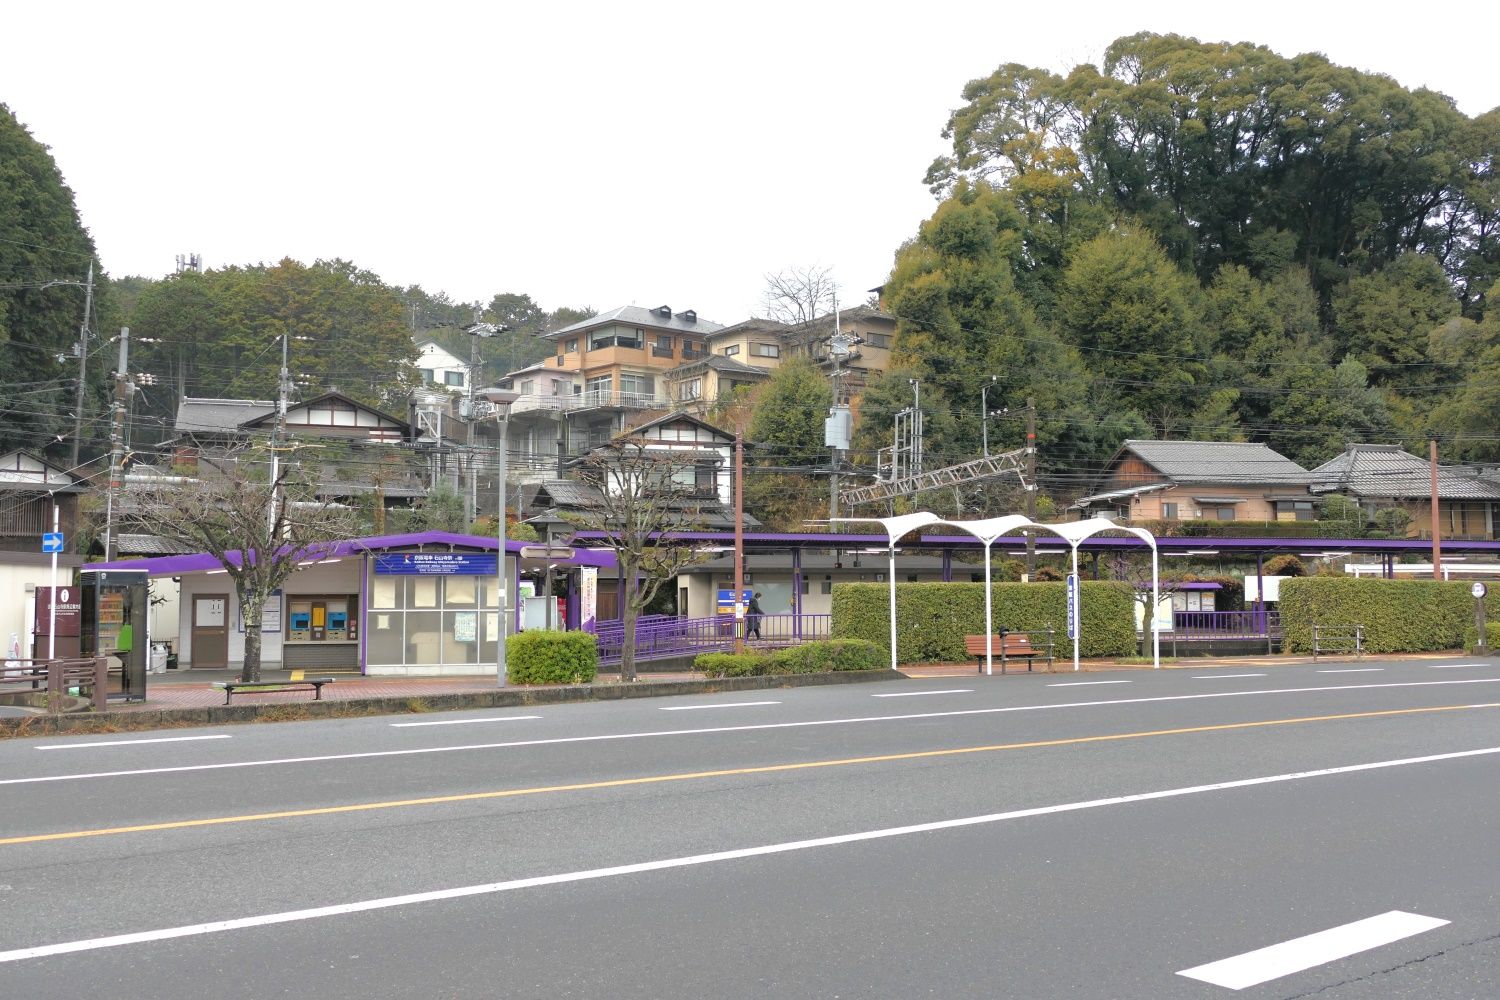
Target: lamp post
x,y
501,400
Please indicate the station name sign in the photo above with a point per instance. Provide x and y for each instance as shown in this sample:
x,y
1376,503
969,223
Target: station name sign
x,y
438,564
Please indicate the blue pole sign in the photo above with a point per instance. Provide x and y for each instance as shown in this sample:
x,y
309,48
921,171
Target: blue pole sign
x,y
1072,605
52,541
438,564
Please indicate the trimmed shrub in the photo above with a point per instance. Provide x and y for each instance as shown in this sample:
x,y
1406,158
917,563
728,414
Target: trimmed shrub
x,y
1246,529
731,664
933,618
544,657
1491,633
1399,616
827,656
1287,565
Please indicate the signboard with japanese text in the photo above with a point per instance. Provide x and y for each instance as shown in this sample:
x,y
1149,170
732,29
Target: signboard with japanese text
x,y
438,564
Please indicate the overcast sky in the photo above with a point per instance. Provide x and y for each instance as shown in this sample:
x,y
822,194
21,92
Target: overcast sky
x,y
589,154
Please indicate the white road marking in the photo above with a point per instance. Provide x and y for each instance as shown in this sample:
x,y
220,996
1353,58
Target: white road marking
x,y
1352,670
1079,684
129,743
1299,954
463,722
710,730
1222,677
917,694
722,704
490,888
1454,666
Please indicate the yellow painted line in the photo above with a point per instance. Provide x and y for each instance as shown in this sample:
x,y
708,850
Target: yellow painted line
x,y
724,773
296,675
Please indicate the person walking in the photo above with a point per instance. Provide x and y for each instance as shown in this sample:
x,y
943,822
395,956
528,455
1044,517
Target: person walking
x,y
753,615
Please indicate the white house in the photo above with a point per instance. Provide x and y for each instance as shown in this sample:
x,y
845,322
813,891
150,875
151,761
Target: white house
x,y
439,367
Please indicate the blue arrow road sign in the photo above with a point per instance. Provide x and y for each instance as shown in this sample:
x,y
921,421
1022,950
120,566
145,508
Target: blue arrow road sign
x,y
52,541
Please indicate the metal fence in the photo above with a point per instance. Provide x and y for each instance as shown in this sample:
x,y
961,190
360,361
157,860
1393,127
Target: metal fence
x,y
1263,624
662,636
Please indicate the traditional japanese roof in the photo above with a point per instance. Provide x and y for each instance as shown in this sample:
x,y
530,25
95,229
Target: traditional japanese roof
x,y
219,416
1215,462
1118,495
718,363
1389,472
25,472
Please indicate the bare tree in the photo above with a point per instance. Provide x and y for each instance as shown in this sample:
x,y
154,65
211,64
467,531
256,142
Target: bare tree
x,y
646,497
799,294
257,527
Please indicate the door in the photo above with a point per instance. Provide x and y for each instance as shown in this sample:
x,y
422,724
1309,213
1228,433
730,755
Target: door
x,y
211,631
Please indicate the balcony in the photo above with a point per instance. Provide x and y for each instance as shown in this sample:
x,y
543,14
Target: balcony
x,y
593,399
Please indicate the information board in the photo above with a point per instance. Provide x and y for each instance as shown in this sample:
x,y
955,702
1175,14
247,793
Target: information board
x,y
438,564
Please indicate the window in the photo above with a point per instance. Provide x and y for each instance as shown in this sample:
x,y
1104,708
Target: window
x,y
765,351
827,585
453,378
638,385
528,387
1169,511
571,347
601,387
429,374
691,389
707,479
1220,513
731,350
880,340
1296,510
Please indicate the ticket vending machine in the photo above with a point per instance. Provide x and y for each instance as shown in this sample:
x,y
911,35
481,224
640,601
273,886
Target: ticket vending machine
x,y
116,613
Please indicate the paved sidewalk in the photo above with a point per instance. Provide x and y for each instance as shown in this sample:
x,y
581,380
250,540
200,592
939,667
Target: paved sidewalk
x,y
194,688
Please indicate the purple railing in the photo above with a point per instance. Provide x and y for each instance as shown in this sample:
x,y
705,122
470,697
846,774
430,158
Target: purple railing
x,y
660,636
1261,624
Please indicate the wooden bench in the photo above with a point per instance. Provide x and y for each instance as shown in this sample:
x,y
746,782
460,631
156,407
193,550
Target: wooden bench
x,y
1008,646
315,684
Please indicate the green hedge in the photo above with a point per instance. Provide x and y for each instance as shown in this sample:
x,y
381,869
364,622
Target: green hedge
x,y
933,618
1491,633
1399,616
820,657
545,657
1247,529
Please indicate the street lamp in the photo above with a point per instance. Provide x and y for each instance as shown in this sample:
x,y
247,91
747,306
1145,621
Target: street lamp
x,y
501,400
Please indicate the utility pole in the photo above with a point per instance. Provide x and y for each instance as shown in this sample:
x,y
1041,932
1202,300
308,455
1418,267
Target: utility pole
x,y
1030,485
83,363
984,413
1437,530
116,444
278,439
739,541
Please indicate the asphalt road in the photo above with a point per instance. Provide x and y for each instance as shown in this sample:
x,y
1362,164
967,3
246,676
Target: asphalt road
x,y
1269,831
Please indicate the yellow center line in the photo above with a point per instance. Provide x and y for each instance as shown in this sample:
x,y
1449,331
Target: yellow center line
x,y
722,773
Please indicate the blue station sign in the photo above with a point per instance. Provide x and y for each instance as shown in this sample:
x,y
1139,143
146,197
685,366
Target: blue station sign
x,y
438,564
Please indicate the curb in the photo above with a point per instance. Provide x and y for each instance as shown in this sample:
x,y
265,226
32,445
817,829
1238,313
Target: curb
x,y
167,718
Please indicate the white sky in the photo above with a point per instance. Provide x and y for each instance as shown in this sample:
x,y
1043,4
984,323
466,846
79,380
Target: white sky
x,y
587,153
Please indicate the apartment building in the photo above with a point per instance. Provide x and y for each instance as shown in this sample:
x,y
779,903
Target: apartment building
x,y
608,373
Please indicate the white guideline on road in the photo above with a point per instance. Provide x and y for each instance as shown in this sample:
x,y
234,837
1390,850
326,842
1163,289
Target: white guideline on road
x,y
463,722
1222,677
129,743
722,704
1299,954
563,878
1079,684
918,694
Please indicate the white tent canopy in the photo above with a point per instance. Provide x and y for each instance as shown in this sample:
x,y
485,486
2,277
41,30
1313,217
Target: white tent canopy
x,y
987,531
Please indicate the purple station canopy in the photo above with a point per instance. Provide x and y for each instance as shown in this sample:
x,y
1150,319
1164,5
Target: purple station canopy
x,y
200,562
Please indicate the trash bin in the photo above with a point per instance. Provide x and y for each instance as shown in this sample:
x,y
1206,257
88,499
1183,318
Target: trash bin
x,y
158,657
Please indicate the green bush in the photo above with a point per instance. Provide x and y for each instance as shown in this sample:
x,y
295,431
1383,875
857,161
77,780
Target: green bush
x,y
933,618
1399,616
827,656
731,664
1491,634
819,657
545,657
1246,529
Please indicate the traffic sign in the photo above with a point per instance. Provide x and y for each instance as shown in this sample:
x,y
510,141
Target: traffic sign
x,y
52,541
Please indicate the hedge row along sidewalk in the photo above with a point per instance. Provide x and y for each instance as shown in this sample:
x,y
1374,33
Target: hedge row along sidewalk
x,y
933,618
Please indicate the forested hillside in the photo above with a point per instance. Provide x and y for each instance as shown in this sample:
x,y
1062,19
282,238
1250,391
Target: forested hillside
x,y
1203,240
